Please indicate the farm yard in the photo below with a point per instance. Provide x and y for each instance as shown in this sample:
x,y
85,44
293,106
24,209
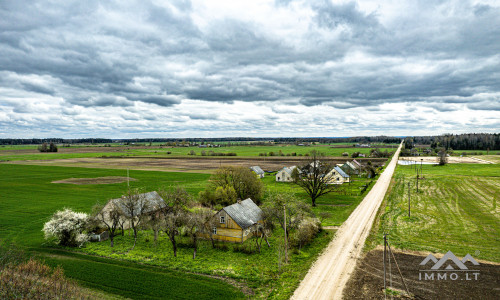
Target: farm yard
x,y
38,188
456,209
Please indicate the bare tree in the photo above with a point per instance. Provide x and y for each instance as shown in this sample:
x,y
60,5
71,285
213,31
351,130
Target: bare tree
x,y
156,222
314,177
110,216
134,206
177,202
196,221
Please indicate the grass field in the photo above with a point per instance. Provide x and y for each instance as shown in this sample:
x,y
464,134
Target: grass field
x,y
455,209
29,198
22,152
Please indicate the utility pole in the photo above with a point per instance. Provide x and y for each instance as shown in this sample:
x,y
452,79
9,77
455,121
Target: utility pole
x,y
286,244
128,179
417,180
409,207
385,243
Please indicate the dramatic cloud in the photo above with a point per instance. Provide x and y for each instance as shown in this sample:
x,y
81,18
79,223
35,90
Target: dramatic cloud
x,y
248,68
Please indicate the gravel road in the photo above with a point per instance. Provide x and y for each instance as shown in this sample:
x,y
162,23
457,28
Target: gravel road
x,y
329,274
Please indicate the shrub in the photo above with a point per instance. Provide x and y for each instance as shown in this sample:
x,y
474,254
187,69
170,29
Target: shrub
x,y
35,280
345,154
306,231
66,228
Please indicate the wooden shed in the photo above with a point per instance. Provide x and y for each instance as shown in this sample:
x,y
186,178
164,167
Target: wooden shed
x,y
237,222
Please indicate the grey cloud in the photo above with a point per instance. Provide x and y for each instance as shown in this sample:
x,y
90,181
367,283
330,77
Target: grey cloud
x,y
203,116
485,105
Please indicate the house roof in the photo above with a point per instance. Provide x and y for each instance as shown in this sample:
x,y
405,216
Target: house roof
x,y
341,172
356,163
245,213
350,165
257,170
152,199
289,170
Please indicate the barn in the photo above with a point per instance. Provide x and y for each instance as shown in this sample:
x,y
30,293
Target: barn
x,y
237,222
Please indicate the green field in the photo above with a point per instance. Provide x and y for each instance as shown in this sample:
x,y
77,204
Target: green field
x,y
29,198
455,209
9,153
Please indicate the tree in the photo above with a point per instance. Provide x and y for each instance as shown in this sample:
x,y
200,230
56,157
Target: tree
x,y
134,207
110,217
442,157
177,202
314,178
196,221
66,227
228,184
273,212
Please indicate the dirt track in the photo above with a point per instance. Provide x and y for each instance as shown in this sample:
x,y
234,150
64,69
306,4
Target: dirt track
x,y
329,274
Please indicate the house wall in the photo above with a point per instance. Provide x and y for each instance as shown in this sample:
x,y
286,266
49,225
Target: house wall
x,y
336,178
228,231
283,176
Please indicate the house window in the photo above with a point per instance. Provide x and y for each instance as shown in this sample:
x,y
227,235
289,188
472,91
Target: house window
x,y
278,178
338,178
222,219
214,230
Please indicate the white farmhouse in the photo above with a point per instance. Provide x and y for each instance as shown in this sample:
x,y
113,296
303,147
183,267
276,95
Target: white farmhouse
x,y
337,176
285,174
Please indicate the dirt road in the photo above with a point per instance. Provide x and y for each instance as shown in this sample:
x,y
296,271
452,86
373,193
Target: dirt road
x,y
328,276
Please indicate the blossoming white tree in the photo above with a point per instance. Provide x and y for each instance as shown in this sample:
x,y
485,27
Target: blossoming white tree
x,y
66,228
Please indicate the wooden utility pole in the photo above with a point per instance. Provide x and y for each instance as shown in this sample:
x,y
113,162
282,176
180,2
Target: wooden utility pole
x,y
417,180
409,207
128,179
286,241
385,243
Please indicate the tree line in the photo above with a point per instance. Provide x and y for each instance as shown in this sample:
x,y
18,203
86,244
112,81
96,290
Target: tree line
x,y
466,141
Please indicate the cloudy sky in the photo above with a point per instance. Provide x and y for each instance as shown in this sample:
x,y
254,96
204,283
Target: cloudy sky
x,y
125,69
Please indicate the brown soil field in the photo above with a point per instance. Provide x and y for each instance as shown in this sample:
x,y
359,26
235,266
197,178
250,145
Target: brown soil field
x,y
367,281
97,180
188,164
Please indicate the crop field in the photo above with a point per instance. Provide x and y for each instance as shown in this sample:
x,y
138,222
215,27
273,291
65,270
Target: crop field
x,y
456,208
14,153
29,198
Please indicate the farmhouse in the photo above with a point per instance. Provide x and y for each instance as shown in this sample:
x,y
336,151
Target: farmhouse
x,y
337,176
285,174
237,222
257,170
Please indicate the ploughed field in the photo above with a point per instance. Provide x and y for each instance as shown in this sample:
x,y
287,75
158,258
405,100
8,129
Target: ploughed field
x,y
186,164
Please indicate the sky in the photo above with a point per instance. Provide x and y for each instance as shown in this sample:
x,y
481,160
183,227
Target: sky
x,y
139,69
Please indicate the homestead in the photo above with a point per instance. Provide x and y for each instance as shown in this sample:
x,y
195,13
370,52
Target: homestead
x,y
285,174
337,176
237,222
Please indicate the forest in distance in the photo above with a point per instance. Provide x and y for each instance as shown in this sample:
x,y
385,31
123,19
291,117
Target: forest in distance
x,y
467,141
